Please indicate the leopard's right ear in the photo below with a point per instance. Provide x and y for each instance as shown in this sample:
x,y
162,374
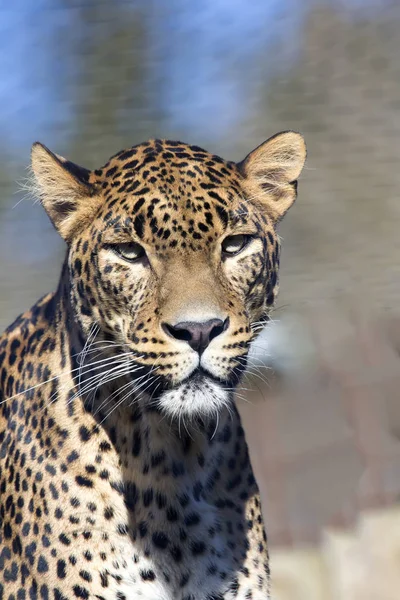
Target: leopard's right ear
x,y
64,190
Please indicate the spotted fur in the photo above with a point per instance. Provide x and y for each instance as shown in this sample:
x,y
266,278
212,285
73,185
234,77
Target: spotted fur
x,y
124,470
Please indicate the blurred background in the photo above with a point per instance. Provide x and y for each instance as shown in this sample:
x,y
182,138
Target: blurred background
x,y
89,77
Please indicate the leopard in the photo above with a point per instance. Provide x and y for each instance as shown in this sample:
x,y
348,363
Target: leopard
x,y
124,465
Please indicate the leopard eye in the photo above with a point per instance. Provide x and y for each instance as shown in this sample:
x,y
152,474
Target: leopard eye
x,y
130,251
233,244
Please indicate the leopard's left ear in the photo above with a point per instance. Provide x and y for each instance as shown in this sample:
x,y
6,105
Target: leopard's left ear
x,y
64,189
271,172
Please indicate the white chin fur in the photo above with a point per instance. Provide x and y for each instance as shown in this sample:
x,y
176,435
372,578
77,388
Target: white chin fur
x,y
191,399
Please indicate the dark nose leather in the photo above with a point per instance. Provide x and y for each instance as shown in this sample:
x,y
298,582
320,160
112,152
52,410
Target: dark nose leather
x,y
196,333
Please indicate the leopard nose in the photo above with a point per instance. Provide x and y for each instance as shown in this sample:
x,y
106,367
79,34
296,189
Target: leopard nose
x,y
198,334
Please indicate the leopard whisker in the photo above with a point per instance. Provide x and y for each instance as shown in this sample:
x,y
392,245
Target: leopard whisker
x,y
55,377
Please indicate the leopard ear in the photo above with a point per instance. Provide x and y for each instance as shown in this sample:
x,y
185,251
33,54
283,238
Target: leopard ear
x,y
271,172
64,190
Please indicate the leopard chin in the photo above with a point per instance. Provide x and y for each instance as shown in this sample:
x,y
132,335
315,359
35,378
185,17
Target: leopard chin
x,y
197,397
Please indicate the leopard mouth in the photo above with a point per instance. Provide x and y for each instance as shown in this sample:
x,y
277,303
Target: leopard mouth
x,y
199,394
199,380
201,376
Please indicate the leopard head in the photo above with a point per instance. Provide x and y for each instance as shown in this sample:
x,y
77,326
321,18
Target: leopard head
x,y
173,257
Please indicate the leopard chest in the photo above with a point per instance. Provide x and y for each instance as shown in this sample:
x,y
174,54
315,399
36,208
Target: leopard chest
x,y
164,549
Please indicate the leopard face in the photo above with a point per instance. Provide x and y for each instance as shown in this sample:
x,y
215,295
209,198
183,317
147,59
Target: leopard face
x,y
173,256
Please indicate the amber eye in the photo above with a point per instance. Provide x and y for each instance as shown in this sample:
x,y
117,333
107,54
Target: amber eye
x,y
130,251
233,244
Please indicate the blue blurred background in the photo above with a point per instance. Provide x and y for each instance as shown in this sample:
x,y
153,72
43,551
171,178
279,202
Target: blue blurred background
x,y
89,77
